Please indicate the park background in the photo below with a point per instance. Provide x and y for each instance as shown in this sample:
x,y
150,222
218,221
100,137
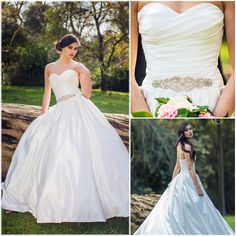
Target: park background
x,y
29,31
153,157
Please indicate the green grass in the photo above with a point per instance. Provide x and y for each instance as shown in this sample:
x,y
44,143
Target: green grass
x,y
224,53
230,219
224,57
25,223
117,102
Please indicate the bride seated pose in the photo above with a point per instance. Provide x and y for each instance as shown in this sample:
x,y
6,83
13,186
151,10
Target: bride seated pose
x,y
181,43
70,164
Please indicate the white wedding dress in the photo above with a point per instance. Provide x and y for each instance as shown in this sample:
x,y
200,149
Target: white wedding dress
x,y
181,51
180,211
70,164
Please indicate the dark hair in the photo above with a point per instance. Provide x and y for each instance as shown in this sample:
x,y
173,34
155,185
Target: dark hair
x,y
183,140
65,41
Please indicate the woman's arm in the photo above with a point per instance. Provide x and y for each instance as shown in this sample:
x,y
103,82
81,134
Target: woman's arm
x,y
192,171
176,169
226,103
85,81
47,91
137,100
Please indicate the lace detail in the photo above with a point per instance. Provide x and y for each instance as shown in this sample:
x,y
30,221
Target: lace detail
x,y
182,84
66,97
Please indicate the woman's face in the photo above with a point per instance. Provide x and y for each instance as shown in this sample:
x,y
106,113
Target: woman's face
x,y
70,51
188,132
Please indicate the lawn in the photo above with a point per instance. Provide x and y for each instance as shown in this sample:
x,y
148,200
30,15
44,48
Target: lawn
x,y
117,102
25,223
224,57
231,221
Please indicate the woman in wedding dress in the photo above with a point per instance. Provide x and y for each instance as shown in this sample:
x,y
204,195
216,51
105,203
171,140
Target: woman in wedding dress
x,y
184,208
181,43
70,164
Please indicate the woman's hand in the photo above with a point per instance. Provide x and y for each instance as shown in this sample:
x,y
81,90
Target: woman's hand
x,y
199,192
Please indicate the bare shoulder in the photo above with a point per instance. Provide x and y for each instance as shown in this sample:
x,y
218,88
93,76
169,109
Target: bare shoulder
x,y
178,146
187,147
49,66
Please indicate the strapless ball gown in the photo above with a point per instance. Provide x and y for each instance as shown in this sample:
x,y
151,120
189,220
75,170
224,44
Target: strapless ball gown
x,y
70,164
181,52
180,211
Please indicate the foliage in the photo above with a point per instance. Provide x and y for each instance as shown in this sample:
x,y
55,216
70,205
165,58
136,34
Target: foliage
x,y
118,80
29,30
154,156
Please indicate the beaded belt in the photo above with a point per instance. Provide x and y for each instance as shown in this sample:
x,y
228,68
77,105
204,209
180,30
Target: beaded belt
x,y
182,83
63,98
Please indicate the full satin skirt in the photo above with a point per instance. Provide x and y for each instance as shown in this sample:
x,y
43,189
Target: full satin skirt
x,y
69,166
180,211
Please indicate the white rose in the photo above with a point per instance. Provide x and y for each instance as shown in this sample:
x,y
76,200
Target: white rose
x,y
181,102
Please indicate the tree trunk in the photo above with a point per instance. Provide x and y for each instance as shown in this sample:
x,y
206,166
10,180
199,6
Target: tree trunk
x,y
220,170
141,206
16,118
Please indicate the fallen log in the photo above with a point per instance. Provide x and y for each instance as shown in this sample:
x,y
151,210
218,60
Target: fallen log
x,y
141,206
17,117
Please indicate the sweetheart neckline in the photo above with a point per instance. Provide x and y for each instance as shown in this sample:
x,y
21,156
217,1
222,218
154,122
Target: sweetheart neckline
x,y
180,13
59,75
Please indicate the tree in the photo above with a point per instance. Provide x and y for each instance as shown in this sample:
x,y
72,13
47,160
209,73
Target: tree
x,y
153,157
220,168
103,35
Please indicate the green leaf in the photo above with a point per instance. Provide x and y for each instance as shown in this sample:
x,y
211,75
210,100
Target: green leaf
x,y
182,112
192,114
157,109
189,99
162,100
204,108
141,114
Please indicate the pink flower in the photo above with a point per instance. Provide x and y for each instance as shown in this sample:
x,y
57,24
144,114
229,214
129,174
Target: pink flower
x,y
205,115
167,111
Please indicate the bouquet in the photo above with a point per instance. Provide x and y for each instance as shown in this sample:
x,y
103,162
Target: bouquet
x,y
177,107
180,107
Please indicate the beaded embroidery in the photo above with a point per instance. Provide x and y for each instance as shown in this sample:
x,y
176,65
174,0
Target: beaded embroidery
x,y
63,98
182,84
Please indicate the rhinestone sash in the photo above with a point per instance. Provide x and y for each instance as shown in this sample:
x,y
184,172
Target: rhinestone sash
x,y
66,97
182,83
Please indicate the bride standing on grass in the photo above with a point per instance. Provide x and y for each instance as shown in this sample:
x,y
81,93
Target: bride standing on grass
x,y
70,164
184,208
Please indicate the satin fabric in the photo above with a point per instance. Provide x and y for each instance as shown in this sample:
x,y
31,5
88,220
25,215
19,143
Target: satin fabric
x,y
180,211
70,164
181,45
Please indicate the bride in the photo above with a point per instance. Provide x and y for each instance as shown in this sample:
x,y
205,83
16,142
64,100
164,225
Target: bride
x,y
184,208
181,43
70,165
